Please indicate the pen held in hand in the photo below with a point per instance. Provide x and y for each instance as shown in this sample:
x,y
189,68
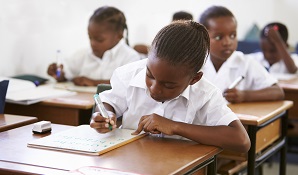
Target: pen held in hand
x,y
102,109
59,63
236,82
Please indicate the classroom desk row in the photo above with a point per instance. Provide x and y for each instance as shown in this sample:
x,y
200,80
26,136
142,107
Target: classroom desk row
x,y
266,123
291,93
69,110
148,155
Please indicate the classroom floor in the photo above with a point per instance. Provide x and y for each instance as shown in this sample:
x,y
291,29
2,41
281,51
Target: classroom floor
x,y
272,168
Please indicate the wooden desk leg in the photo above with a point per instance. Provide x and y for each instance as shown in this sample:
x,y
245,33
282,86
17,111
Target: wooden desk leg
x,y
252,133
283,151
211,168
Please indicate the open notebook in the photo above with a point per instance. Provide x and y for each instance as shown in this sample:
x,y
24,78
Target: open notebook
x,y
72,87
85,140
26,92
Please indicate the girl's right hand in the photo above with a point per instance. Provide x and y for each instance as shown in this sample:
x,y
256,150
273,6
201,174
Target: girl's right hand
x,y
101,124
52,71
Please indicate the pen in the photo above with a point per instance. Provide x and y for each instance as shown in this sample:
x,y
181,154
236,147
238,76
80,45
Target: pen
x,y
236,82
102,109
58,59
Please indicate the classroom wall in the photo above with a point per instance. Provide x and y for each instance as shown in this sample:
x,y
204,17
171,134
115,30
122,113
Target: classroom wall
x,y
32,30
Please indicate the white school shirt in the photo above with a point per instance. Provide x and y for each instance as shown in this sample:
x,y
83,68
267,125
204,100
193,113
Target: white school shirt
x,y
276,68
85,63
256,77
199,104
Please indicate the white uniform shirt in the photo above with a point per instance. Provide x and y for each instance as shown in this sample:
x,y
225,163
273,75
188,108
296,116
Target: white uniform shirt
x,y
276,68
85,63
256,77
200,104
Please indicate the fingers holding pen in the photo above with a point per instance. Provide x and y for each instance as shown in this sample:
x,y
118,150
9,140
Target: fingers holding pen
x,y
101,124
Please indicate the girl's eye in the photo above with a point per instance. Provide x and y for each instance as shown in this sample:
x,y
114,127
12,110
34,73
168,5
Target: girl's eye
x,y
217,38
168,86
149,76
233,36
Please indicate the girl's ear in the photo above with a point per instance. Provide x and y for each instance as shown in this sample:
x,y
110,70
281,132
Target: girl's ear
x,y
196,78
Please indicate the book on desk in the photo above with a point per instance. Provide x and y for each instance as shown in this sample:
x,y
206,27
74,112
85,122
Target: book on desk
x,y
72,87
85,140
26,92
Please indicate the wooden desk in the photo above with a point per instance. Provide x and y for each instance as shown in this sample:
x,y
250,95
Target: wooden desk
x,y
148,155
291,93
8,121
266,123
69,110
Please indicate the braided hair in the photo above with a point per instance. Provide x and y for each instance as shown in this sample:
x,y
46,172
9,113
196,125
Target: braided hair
x,y
112,16
182,43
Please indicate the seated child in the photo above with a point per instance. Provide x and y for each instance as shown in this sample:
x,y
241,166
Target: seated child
x,y
108,51
182,15
275,56
224,64
167,95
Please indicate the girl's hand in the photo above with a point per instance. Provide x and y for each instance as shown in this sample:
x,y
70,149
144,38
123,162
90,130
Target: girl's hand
x,y
234,95
83,81
101,124
155,124
52,71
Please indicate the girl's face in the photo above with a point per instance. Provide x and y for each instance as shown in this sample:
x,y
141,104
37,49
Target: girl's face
x,y
102,38
165,81
223,38
269,50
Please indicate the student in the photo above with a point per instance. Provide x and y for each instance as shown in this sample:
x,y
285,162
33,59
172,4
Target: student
x,y
167,95
182,15
224,64
275,56
108,51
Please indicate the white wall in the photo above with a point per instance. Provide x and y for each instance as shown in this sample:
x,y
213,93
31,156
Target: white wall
x,y
32,30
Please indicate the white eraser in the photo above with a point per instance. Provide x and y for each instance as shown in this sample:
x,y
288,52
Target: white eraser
x,y
42,127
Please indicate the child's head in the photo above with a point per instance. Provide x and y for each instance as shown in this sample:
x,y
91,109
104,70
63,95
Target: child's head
x,y
105,29
222,27
175,58
182,15
268,48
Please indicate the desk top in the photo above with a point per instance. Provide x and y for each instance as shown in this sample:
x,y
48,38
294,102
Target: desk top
x,y
291,84
8,121
149,155
256,113
81,100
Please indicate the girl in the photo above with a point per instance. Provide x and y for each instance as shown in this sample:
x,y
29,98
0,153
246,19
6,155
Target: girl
x,y
167,95
225,64
275,56
108,51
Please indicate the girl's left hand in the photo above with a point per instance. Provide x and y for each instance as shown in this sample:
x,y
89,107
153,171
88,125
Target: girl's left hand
x,y
155,124
82,81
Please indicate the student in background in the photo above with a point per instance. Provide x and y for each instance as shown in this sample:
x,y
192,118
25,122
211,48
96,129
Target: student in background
x,y
182,15
224,64
167,95
275,56
108,51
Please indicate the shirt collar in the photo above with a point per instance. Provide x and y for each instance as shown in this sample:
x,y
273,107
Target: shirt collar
x,y
109,54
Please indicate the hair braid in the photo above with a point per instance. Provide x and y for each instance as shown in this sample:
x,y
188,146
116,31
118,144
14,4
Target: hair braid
x,y
182,43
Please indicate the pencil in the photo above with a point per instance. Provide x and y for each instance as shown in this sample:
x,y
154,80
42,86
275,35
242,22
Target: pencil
x,y
236,82
102,109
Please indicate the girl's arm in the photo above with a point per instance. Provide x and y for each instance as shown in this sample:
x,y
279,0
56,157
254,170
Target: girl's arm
x,y
233,137
282,49
84,81
271,93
